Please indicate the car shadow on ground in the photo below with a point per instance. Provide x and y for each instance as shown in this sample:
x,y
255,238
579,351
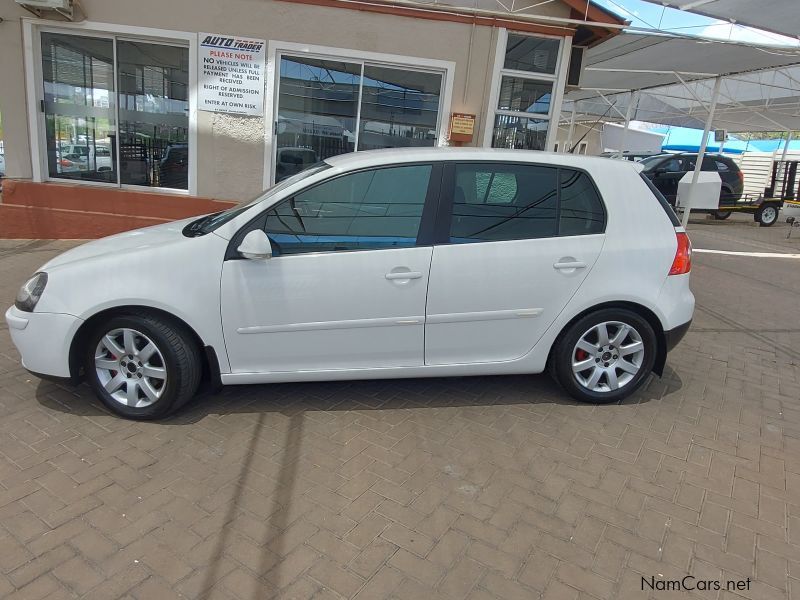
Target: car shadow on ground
x,y
358,395
286,422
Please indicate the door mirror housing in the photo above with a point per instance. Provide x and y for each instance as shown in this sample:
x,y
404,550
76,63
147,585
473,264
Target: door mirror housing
x,y
255,246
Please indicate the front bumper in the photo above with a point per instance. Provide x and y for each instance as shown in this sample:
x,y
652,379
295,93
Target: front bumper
x,y
43,340
673,337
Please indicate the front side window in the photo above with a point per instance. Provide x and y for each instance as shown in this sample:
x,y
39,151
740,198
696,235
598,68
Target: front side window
x,y
125,128
368,210
501,202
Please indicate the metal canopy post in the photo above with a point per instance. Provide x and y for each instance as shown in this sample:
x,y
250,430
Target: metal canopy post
x,y
703,143
633,99
571,130
786,145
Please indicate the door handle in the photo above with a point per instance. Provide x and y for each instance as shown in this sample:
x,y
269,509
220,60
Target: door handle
x,y
574,264
404,275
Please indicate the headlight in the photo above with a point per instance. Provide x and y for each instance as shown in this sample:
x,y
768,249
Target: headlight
x,y
30,293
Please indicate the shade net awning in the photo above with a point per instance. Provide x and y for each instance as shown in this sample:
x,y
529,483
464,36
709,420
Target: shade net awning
x,y
674,78
778,16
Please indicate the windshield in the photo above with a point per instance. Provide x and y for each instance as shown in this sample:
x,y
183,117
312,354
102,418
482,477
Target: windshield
x,y
209,223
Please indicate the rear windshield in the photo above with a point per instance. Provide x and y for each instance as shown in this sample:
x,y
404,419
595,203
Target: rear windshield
x,y
661,200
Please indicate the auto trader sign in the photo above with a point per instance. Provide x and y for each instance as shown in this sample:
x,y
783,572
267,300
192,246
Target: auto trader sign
x,y
231,74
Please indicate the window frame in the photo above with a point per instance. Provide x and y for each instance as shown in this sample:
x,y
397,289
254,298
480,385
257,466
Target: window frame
x,y
32,55
425,231
447,200
277,49
557,79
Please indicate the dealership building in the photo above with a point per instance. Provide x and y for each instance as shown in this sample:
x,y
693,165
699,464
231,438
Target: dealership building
x,y
152,110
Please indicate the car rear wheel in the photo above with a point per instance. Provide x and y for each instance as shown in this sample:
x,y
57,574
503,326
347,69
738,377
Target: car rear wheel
x,y
142,367
605,356
767,215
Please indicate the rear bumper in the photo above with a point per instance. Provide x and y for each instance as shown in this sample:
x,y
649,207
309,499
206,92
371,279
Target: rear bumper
x,y
673,337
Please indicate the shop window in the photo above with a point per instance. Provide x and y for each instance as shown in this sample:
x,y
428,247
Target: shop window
x,y
525,90
328,107
116,111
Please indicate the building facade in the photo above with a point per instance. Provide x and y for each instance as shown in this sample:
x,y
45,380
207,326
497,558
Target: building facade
x,y
124,97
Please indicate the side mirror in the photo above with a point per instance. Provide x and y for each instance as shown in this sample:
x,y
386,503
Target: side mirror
x,y
255,246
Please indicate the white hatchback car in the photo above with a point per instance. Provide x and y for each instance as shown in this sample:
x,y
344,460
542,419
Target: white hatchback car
x,y
393,263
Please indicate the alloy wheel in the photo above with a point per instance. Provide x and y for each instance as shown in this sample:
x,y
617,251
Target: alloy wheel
x,y
608,356
130,367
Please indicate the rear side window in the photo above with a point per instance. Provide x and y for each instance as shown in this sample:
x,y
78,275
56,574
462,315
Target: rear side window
x,y
499,202
581,210
662,201
495,202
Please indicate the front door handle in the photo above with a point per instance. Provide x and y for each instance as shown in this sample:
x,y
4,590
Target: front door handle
x,y
573,264
404,275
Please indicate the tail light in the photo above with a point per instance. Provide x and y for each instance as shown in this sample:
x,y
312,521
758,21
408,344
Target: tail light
x,y
740,173
682,263
65,163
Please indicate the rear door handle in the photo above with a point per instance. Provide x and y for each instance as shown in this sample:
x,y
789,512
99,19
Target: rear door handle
x,y
574,264
404,275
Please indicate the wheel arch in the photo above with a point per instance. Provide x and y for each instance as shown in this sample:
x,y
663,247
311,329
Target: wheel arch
x,y
211,368
642,311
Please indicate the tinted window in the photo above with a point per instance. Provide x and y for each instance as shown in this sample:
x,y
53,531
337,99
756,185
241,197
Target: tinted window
x,y
581,211
380,208
662,201
503,202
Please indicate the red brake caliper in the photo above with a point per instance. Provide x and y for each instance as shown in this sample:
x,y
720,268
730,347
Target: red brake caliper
x,y
581,354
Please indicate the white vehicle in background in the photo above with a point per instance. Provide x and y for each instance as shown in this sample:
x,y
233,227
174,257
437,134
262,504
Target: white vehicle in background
x,y
81,157
392,263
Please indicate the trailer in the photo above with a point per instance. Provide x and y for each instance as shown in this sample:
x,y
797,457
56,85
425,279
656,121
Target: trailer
x,y
780,194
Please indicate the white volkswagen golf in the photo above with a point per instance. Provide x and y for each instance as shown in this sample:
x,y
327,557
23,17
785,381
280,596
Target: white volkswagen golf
x,y
394,263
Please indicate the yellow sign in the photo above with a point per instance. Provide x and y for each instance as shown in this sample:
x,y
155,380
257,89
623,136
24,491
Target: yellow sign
x,y
462,124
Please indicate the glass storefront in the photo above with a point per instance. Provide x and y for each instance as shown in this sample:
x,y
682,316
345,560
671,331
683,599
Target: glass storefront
x,y
328,107
116,111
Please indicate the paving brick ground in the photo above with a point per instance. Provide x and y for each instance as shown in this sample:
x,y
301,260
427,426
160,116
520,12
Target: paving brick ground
x,y
479,488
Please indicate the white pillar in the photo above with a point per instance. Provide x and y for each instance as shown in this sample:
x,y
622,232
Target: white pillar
x,y
633,98
571,130
704,142
786,145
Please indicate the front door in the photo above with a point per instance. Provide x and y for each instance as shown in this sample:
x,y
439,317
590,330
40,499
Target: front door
x,y
346,286
522,239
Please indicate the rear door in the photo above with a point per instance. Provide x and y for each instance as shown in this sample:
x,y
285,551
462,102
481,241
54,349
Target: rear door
x,y
517,242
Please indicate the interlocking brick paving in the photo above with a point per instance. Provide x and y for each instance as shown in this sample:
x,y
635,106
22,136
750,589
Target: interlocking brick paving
x,y
479,488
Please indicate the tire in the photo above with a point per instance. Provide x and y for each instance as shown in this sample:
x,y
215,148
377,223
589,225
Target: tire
x,y
161,381
579,385
721,215
767,215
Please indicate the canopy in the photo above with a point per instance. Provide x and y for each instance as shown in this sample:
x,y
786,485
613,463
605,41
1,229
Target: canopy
x,y
674,77
778,16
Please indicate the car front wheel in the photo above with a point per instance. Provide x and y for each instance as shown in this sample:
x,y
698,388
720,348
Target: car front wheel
x,y
142,367
605,356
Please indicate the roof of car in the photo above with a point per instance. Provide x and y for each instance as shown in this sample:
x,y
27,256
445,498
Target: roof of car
x,y
355,160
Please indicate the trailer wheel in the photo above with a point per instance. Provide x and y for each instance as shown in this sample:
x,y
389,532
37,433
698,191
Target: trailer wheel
x,y
767,215
721,215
